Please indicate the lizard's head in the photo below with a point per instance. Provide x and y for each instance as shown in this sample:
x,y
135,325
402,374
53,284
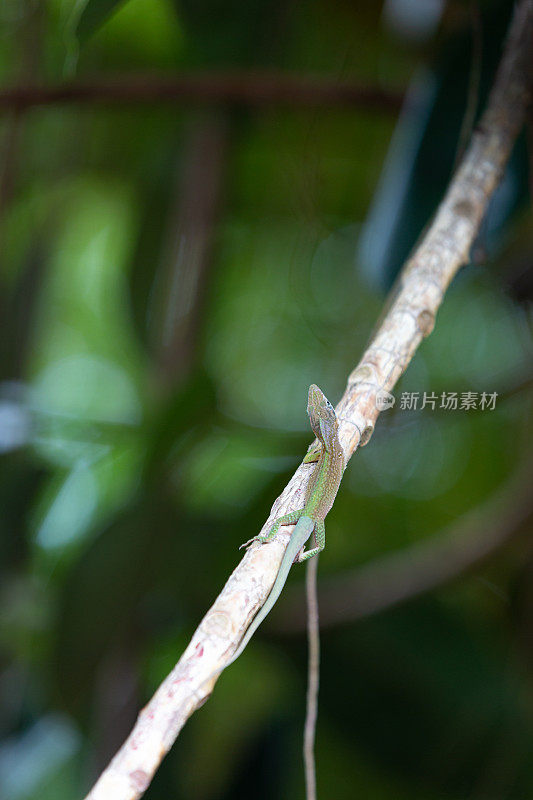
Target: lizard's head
x,y
321,414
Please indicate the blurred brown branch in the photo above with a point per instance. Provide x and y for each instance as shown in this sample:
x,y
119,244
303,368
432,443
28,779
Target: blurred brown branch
x,y
228,88
401,576
182,280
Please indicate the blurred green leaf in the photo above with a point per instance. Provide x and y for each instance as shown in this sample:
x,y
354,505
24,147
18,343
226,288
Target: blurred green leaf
x,y
94,14
138,31
429,694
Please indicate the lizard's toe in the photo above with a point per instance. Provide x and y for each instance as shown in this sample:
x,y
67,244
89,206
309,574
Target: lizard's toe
x,y
251,541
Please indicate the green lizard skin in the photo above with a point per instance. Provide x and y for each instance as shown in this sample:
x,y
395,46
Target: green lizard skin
x,y
320,496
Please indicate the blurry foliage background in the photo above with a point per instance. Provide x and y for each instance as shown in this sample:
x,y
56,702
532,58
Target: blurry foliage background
x,y
172,278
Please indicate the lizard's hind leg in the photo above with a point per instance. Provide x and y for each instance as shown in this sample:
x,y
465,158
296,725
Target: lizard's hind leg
x,y
320,541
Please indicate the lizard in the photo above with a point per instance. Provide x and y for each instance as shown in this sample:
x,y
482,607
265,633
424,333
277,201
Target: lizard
x,y
320,495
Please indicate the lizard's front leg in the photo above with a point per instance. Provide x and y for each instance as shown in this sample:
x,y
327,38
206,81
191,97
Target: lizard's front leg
x,y
286,519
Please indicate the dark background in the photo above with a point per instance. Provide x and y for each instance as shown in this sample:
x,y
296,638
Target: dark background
x,y
173,276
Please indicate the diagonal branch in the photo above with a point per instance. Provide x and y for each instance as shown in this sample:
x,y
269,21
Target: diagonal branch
x,y
425,278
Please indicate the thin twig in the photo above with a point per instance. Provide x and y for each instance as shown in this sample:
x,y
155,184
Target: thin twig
x,y
426,276
228,88
313,677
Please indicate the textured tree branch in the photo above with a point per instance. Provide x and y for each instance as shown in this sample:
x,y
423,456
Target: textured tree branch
x,y
425,278
230,88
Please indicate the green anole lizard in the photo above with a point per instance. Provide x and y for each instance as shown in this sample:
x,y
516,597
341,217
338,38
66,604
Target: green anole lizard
x,y
320,495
